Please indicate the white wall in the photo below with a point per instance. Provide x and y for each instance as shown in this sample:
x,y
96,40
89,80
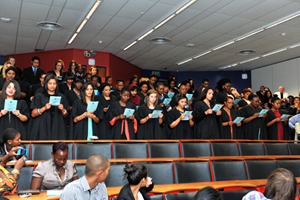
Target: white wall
x,y
285,73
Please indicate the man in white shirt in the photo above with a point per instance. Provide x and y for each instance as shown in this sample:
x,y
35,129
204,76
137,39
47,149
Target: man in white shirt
x,y
281,94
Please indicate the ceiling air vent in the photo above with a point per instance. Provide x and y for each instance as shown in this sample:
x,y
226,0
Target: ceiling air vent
x,y
246,52
49,26
160,40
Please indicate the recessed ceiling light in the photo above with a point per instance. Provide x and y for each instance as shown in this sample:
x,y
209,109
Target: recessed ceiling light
x,y
190,45
246,52
49,26
160,40
5,19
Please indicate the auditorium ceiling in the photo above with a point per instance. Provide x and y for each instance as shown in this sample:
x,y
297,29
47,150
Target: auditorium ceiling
x,y
203,26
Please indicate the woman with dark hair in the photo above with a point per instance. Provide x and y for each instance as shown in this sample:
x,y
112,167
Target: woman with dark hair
x,y
206,123
139,184
192,88
68,84
152,81
79,71
253,126
48,121
58,70
179,125
11,138
144,86
197,98
55,173
74,94
135,99
268,96
224,86
149,127
13,118
80,115
172,84
295,108
208,193
134,80
94,72
72,67
122,127
245,100
230,129
276,128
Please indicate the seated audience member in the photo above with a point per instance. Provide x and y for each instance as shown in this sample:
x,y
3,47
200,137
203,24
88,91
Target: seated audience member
x,y
55,173
224,86
261,93
119,86
17,118
91,185
9,180
152,81
11,138
68,85
58,70
79,71
295,107
139,184
208,193
32,74
281,94
281,185
37,87
88,77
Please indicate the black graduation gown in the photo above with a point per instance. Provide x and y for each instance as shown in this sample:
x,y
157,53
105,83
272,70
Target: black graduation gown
x,y
115,110
226,134
71,97
79,130
141,95
251,129
272,132
242,103
51,124
22,85
183,130
12,121
206,126
63,87
293,110
54,74
145,131
117,94
103,125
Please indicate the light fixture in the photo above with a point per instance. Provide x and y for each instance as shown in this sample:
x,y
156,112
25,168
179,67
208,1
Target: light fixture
x,y
185,6
223,45
202,54
273,52
294,46
185,61
49,26
251,59
283,20
85,20
5,19
250,34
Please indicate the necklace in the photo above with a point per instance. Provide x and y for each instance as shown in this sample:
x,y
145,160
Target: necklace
x,y
58,171
78,94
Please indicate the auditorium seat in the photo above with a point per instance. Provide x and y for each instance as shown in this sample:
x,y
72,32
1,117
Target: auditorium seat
x,y
234,194
260,169
276,149
152,197
115,176
40,151
252,149
292,165
161,173
80,170
229,170
180,196
130,150
84,151
24,179
225,149
164,150
192,172
294,148
195,149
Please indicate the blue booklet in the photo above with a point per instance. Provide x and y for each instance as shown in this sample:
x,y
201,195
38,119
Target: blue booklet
x,y
96,92
284,116
262,112
59,78
170,94
236,101
137,107
10,105
238,120
55,100
187,113
167,101
111,90
156,113
217,107
92,106
128,112
189,96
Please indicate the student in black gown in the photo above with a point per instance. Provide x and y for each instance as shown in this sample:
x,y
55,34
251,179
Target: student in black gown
x,y
295,108
148,127
68,85
72,69
122,127
172,84
119,86
144,86
33,88
197,98
109,80
152,81
106,99
95,83
245,100
231,130
253,127
181,90
177,127
276,129
134,80
58,70
48,122
17,118
80,115
207,122
88,77
135,99
224,86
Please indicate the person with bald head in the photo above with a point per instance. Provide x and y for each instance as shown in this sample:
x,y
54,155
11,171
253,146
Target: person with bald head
x,y
91,185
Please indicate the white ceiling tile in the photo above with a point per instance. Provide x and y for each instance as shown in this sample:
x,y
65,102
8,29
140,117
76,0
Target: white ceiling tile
x,y
54,13
29,32
97,21
186,35
7,39
110,7
158,12
6,49
10,8
211,21
61,36
207,4
139,7
118,24
46,2
26,42
59,3
227,26
73,22
282,12
237,6
40,11
79,5
249,27
139,27
162,31
53,45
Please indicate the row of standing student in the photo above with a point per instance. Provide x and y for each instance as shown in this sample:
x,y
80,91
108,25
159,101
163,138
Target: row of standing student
x,y
49,122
